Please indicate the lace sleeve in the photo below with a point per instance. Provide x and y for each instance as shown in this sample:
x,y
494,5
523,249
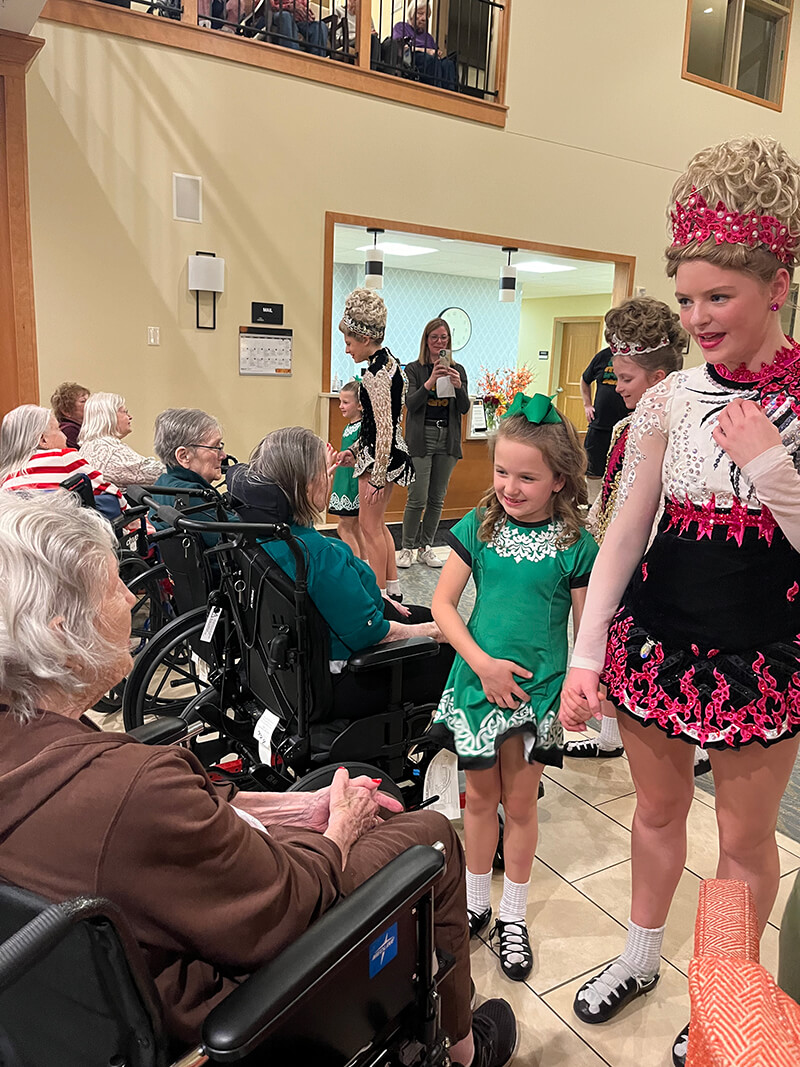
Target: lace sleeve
x,y
627,536
777,484
127,467
379,387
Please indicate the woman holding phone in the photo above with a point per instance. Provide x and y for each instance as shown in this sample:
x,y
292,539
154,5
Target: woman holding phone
x,y
437,398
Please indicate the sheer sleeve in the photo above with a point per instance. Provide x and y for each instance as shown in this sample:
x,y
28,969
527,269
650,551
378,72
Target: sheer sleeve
x,y
627,536
777,484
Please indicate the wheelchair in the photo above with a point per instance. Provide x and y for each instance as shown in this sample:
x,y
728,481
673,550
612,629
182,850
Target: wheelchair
x,y
357,988
251,661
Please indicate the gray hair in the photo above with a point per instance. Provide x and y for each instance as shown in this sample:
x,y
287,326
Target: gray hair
x,y
181,428
20,434
100,416
291,458
412,7
52,553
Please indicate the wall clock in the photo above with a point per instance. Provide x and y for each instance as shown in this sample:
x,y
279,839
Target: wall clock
x,y
460,326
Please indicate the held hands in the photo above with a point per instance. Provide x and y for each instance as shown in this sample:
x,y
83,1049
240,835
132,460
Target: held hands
x,y
344,459
744,431
580,699
499,685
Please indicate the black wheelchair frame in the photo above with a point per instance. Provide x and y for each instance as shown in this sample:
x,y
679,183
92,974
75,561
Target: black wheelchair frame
x,y
356,989
266,647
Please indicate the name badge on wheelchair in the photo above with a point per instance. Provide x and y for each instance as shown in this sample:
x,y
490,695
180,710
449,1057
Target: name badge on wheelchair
x,y
212,619
263,731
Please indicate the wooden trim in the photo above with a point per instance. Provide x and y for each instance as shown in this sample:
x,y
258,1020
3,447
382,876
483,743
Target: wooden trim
x,y
364,35
189,13
327,301
787,15
93,15
483,238
19,371
504,36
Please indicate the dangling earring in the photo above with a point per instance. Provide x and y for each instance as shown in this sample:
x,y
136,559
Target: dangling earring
x,y
774,307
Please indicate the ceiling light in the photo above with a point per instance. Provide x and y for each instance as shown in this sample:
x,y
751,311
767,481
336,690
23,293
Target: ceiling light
x,y
396,248
508,279
708,10
536,266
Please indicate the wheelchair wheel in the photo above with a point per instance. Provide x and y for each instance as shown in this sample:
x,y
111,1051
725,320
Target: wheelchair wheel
x,y
167,674
322,776
148,615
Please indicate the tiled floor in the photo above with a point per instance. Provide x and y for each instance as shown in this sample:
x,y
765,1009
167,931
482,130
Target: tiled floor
x,y
578,908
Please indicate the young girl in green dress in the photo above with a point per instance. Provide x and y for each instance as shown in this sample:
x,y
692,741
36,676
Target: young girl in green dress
x,y
526,548
344,491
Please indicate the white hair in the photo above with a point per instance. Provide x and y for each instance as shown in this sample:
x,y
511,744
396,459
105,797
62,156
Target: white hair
x,y
181,428
100,416
53,560
413,6
20,434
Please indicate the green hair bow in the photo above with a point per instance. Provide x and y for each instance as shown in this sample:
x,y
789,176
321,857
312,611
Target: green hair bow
x,y
537,409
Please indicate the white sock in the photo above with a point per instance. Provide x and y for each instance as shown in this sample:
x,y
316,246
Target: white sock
x,y
609,733
393,586
514,902
384,594
700,755
478,887
642,953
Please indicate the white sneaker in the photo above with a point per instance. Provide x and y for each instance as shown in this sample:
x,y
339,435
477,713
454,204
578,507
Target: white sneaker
x,y
405,557
427,556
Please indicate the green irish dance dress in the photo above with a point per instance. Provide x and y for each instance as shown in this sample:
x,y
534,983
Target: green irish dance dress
x,y
344,491
523,583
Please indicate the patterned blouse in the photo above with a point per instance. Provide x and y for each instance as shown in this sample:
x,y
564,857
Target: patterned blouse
x,y
119,463
381,448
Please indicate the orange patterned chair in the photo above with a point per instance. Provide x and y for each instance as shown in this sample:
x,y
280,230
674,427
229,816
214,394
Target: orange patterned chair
x,y
740,1018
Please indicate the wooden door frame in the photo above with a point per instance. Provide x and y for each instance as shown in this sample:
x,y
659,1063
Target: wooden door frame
x,y
558,334
19,371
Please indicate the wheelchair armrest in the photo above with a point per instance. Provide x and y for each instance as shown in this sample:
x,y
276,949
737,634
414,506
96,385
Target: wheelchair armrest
x,y
257,1007
393,652
165,730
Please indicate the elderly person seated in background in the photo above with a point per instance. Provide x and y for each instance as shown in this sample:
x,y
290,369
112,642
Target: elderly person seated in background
x,y
346,38
33,455
296,25
67,403
431,62
106,420
288,480
189,444
209,895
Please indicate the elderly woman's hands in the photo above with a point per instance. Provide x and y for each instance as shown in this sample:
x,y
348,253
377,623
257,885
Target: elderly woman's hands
x,y
353,810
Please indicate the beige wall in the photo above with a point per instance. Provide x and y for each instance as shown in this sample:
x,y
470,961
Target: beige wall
x,y
536,332
598,127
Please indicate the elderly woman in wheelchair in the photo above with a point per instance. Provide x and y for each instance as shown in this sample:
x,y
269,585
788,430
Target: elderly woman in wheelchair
x,y
211,882
288,480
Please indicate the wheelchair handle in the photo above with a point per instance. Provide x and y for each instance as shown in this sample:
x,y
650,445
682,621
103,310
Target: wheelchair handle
x,y
140,494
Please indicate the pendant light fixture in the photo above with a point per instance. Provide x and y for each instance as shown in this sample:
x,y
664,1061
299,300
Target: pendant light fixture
x,y
508,279
373,264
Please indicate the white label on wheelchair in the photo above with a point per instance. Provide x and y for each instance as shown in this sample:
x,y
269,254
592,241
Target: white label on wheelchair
x,y
212,619
264,729
441,779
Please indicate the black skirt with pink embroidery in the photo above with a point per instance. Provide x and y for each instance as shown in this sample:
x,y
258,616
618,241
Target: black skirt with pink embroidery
x,y
706,643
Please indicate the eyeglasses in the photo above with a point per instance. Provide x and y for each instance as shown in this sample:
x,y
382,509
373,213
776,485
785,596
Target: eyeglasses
x,y
212,448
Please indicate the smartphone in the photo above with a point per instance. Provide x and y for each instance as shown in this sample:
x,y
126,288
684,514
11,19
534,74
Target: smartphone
x,y
446,357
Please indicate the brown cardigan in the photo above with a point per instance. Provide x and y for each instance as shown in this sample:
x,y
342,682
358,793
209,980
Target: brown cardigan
x,y
208,897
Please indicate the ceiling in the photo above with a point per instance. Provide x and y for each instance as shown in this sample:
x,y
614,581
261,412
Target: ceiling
x,y
468,259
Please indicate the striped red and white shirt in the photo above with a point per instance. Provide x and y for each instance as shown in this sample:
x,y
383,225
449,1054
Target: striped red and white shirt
x,y
48,468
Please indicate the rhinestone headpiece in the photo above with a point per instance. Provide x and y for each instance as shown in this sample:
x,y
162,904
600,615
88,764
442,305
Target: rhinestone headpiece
x,y
631,348
696,221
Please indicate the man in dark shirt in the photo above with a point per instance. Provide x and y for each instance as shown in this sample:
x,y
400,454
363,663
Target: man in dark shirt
x,y
602,415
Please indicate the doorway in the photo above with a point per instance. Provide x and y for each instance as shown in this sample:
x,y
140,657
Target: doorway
x,y
576,342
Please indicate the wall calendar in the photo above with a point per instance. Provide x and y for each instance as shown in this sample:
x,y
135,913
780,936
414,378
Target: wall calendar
x,y
265,350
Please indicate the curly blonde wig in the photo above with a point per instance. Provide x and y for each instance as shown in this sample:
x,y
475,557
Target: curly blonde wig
x,y
364,315
750,175
562,453
645,321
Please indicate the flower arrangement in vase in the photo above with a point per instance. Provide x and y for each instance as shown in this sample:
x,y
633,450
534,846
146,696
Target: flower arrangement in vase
x,y
498,388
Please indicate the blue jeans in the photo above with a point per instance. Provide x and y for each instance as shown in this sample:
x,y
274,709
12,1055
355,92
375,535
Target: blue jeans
x,y
314,35
428,490
435,71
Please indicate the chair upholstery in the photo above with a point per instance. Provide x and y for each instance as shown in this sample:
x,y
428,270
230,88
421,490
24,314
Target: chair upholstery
x,y
740,1018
